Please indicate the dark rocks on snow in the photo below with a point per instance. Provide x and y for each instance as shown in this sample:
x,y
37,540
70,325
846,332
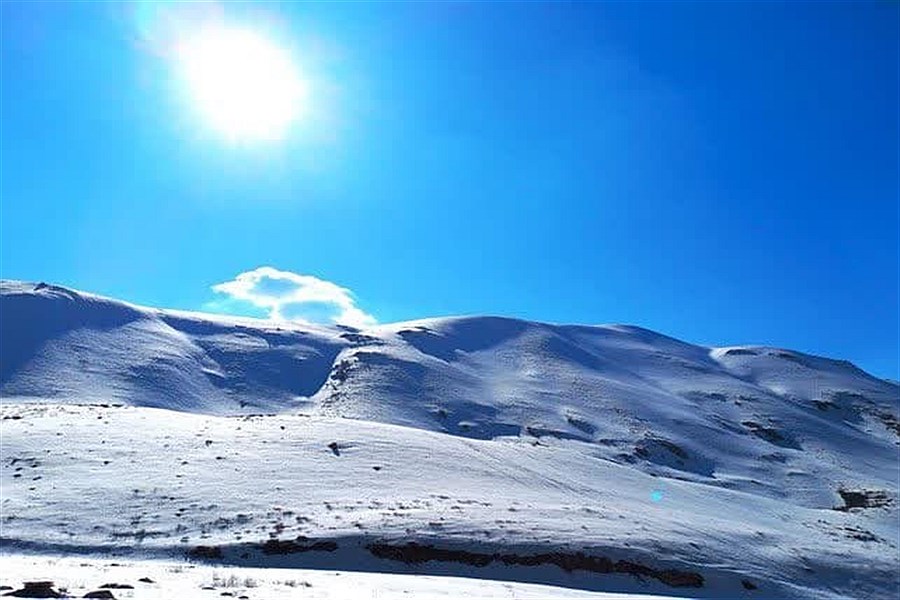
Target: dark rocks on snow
x,y
741,352
301,545
36,589
207,552
863,499
890,421
413,553
771,435
117,586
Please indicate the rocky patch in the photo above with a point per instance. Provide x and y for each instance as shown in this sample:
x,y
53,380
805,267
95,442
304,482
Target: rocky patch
x,y
205,552
300,545
863,499
771,435
413,553
36,589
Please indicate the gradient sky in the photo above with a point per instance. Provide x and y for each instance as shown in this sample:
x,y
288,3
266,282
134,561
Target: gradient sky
x,y
725,173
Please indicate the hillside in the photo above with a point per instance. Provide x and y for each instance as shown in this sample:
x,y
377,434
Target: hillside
x,y
607,458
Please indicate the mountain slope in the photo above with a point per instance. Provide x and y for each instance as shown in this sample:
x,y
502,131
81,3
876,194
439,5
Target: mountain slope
x,y
659,463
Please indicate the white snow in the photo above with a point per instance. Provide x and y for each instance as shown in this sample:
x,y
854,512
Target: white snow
x,y
169,579
512,449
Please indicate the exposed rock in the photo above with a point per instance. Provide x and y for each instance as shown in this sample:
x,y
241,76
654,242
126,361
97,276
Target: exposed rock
x,y
116,586
413,553
361,339
36,589
863,499
740,352
890,421
205,552
771,435
293,547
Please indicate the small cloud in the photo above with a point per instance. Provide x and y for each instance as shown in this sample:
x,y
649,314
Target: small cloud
x,y
282,295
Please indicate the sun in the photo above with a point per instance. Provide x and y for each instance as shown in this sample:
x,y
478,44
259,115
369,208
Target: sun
x,y
243,85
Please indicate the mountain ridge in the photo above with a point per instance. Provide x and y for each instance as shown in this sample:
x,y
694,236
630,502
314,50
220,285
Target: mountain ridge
x,y
121,311
591,457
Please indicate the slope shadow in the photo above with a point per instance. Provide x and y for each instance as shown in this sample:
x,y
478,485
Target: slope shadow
x,y
28,321
463,335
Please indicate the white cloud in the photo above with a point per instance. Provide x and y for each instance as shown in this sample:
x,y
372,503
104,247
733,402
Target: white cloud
x,y
289,296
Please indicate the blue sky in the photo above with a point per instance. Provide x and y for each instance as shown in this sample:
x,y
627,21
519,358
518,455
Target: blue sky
x,y
722,172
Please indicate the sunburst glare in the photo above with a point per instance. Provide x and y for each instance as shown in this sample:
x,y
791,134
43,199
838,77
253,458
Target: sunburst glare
x,y
241,83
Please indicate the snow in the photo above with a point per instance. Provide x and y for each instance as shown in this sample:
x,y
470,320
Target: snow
x,y
168,579
509,450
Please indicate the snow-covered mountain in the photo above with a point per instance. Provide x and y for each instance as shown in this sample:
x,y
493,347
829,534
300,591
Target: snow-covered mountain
x,y
604,458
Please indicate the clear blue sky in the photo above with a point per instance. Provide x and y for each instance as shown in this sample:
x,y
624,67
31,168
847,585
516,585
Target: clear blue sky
x,y
722,172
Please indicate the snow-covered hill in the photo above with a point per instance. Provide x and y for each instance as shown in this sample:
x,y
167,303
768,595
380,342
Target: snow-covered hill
x,y
604,458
